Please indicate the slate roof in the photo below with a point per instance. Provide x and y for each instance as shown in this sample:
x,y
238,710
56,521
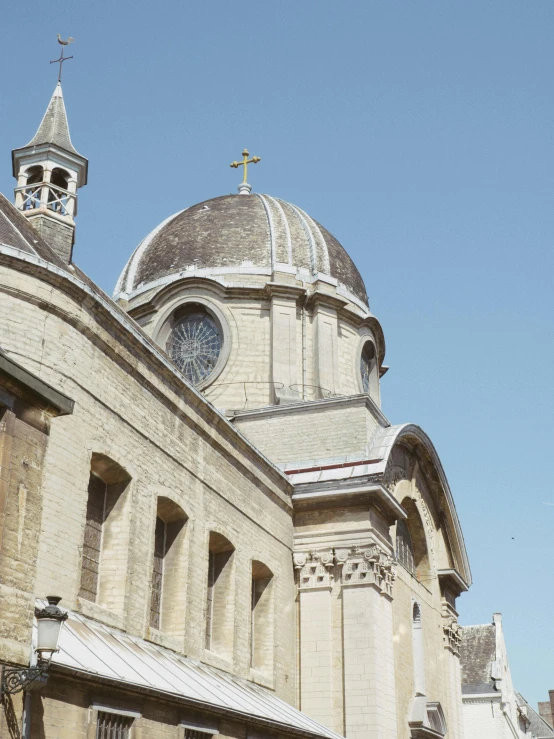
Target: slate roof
x,y
539,727
17,232
238,232
477,652
54,128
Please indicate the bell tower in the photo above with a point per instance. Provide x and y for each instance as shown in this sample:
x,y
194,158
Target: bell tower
x,y
49,170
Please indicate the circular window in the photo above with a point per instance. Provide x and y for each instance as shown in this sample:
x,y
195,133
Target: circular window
x,y
194,345
367,360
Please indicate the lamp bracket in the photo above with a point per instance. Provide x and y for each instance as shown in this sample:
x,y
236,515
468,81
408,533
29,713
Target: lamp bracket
x,y
16,679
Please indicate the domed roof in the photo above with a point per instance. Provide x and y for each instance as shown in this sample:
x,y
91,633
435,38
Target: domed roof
x,y
240,233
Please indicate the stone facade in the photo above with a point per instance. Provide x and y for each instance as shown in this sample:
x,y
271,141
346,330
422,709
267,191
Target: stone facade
x,y
253,519
130,407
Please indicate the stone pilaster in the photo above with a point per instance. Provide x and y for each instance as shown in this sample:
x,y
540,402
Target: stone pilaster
x,y
284,340
361,580
315,579
452,637
367,577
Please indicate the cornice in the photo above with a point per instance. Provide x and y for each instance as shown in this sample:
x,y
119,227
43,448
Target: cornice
x,y
56,403
313,496
307,406
39,152
283,290
320,298
453,579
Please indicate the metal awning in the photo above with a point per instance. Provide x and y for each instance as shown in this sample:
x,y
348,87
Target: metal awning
x,y
89,648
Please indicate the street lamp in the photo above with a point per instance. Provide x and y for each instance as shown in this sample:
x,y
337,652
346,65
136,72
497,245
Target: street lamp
x,y
49,624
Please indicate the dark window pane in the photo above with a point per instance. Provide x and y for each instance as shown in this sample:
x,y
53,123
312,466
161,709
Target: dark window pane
x,y
157,573
404,547
113,726
92,543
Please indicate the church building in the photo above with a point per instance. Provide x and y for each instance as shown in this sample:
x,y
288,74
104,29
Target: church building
x,y
200,493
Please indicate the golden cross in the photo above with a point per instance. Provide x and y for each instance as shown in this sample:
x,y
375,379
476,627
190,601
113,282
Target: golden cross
x,y
245,162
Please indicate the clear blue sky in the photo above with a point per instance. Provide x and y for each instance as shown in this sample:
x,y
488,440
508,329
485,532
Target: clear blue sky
x,y
421,135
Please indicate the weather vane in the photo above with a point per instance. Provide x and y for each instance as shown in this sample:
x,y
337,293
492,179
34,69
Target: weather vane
x,y
62,58
245,162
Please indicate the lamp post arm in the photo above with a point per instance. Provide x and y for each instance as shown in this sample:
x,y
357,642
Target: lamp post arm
x,y
16,679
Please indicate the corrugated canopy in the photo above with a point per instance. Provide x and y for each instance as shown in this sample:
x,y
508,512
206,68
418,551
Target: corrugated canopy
x,y
90,648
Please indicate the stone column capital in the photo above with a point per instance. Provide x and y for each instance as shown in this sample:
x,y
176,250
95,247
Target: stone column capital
x,y
367,565
452,635
314,568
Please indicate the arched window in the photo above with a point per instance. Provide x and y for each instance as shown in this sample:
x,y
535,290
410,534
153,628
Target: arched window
x,y
57,197
261,634
105,546
418,653
367,366
195,342
167,604
220,602
34,175
60,177
33,188
404,546
411,542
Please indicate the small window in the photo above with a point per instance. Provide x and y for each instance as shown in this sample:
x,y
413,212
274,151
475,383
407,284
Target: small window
x,y
34,175
367,365
196,734
195,343
113,726
418,650
220,597
92,546
104,558
59,178
404,547
157,572
167,604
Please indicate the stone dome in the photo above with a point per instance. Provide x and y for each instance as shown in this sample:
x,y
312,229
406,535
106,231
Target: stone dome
x,y
240,234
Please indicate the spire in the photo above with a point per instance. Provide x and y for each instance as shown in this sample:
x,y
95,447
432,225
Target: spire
x,y
54,128
49,171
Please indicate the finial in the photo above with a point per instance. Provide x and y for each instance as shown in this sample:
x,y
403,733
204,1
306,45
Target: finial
x,y
244,187
62,58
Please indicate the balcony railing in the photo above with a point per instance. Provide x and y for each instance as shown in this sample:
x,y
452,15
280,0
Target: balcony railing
x,y
47,195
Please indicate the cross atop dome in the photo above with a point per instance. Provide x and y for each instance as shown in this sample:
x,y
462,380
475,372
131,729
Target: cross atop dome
x,y
244,187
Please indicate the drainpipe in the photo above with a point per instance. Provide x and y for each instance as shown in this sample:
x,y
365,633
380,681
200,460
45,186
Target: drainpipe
x,y
26,722
513,729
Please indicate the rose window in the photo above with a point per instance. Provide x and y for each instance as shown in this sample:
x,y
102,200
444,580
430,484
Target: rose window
x,y
195,345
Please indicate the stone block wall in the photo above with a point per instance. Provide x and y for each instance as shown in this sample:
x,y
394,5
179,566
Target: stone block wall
x,y
282,345
316,431
131,408
68,709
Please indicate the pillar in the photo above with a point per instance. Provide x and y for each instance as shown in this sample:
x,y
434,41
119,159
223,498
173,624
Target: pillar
x,y
369,690
326,351
452,639
315,625
285,348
